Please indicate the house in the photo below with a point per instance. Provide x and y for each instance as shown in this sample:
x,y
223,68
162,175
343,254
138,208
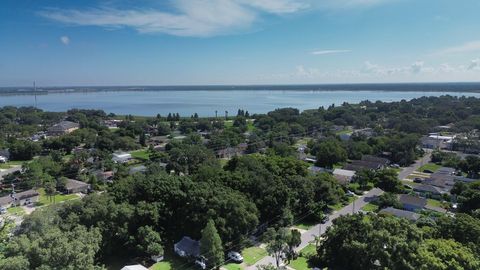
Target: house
x,y
228,152
437,141
104,176
367,132
75,186
121,157
412,203
400,213
21,198
379,160
367,162
187,247
343,176
62,128
316,169
134,267
5,153
428,191
138,169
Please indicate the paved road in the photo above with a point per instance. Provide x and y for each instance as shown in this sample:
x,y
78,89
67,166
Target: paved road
x,y
309,236
410,169
11,170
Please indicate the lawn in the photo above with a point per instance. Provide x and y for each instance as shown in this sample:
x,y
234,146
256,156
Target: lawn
x,y
231,266
45,200
252,255
17,210
370,207
435,203
141,154
301,263
429,166
340,205
172,263
304,225
10,164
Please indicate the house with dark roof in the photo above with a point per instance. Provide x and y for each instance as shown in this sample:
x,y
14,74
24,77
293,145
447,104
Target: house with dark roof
x,y
428,191
75,186
367,162
343,176
187,247
411,202
62,128
379,160
400,213
20,198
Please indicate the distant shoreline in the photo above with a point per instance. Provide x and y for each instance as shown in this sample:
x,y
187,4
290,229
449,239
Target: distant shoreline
x,y
472,87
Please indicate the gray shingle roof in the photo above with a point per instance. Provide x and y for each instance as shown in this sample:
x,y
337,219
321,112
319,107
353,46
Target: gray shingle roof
x,y
400,213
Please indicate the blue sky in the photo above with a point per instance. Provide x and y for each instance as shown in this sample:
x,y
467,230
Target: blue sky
x,y
171,42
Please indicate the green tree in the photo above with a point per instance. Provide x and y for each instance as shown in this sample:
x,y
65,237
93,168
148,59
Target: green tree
x,y
149,241
294,240
329,153
276,241
211,245
444,254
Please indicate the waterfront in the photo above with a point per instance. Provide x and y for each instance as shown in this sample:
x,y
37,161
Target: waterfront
x,y
206,102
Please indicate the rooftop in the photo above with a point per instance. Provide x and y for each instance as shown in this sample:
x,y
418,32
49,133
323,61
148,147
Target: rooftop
x,y
400,213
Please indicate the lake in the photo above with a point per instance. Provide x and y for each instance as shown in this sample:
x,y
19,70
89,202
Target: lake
x,y
206,102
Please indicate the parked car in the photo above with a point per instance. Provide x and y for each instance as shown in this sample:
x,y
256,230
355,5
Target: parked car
x,y
3,210
427,171
417,180
235,257
325,219
201,262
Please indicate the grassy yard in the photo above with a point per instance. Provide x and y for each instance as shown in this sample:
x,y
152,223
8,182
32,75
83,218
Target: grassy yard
x,y
172,262
370,207
340,205
435,203
232,266
17,210
45,200
304,225
141,154
10,164
429,166
301,263
252,255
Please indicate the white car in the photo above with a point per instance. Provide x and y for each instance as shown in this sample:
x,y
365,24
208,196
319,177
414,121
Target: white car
x,y
3,159
235,257
201,263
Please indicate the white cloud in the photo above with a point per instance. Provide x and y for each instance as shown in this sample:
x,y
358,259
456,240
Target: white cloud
x,y
474,64
417,67
199,18
191,17
472,46
322,52
65,40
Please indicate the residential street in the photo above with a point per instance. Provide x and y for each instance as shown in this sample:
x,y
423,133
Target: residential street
x,y
309,236
410,169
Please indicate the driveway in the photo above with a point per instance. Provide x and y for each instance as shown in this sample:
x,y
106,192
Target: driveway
x,y
309,236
